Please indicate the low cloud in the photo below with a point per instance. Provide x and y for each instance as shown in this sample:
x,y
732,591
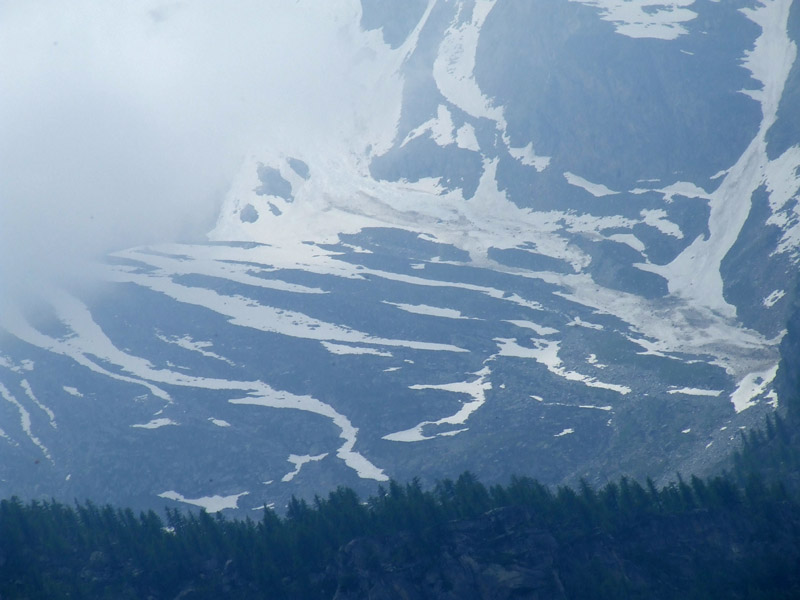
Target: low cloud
x,y
123,122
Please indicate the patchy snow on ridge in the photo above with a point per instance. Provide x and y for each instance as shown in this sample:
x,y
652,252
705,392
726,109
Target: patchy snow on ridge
x,y
660,19
695,273
248,313
598,190
89,345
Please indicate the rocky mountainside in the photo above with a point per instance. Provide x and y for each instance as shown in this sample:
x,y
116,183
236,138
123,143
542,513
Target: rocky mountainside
x,y
551,238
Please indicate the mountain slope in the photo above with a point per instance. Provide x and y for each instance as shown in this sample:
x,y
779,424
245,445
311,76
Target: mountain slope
x,y
558,238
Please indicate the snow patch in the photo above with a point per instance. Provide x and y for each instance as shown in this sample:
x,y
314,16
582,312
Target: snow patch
x,y
211,504
528,157
772,399
156,423
440,127
658,218
770,300
628,239
546,353
26,387
466,138
476,389
539,329
598,190
423,309
263,395
187,343
695,392
24,421
592,360
752,386
782,177
298,462
454,66
344,350
578,322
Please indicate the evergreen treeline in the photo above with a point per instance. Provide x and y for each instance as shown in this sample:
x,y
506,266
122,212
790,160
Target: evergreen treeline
x,y
50,550
773,451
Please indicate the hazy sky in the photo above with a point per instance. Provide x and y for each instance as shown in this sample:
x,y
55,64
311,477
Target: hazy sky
x,y
122,121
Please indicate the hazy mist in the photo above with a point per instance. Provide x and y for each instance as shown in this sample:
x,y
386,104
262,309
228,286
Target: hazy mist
x,y
123,122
